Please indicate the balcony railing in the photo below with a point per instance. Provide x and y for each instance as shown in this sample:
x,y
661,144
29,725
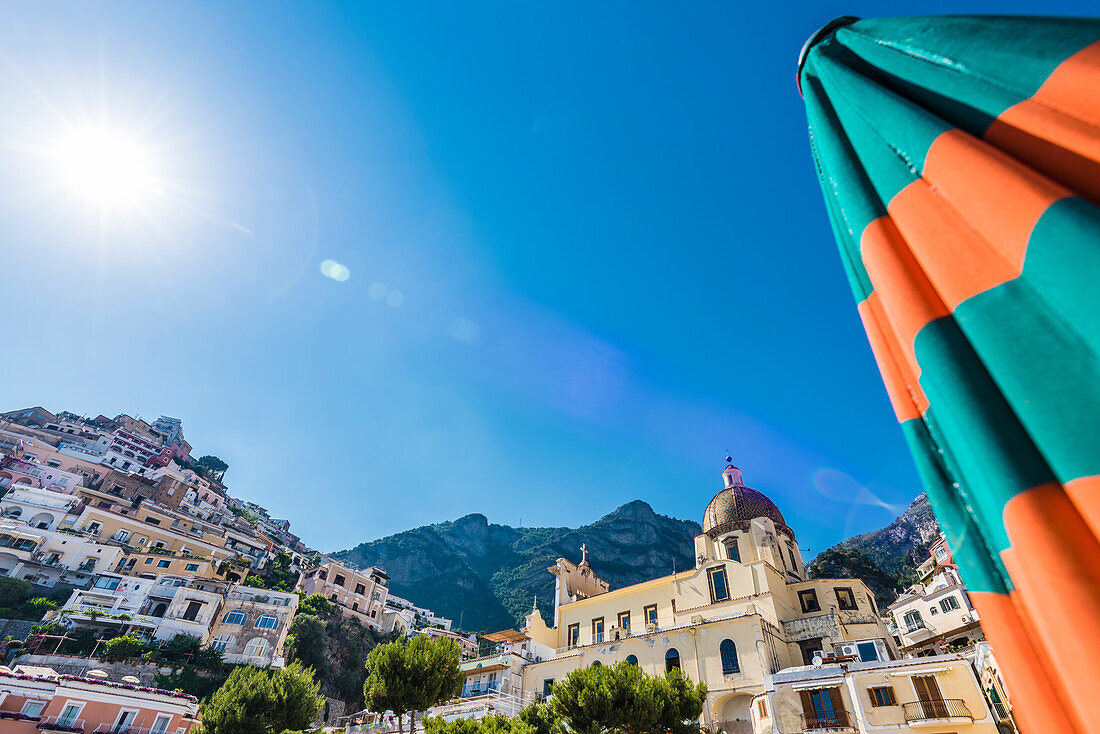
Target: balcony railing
x,y
815,720
125,729
942,708
62,723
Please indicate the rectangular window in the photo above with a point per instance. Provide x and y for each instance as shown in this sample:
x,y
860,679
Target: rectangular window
x,y
845,599
360,589
106,582
163,564
597,630
148,560
573,636
355,606
882,696
719,590
868,651
624,621
650,614
191,567
547,687
762,708
823,708
33,708
192,612
160,724
949,603
339,580
808,600
732,551
322,574
913,621
69,714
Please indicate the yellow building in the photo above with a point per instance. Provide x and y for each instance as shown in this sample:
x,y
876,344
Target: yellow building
x,y
935,694
745,611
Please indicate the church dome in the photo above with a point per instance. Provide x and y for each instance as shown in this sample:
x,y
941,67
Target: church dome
x,y
735,505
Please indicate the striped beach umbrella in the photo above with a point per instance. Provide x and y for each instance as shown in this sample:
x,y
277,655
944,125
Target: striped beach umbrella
x,y
960,163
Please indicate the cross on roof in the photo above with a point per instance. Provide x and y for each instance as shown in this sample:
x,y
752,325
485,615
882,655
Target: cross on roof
x,y
584,553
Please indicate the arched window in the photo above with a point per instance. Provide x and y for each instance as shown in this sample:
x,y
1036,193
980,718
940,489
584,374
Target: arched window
x,y
257,647
267,622
729,657
221,642
234,617
596,663
632,659
672,659
159,610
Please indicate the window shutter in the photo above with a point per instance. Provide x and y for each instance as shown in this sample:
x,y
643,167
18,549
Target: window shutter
x,y
837,701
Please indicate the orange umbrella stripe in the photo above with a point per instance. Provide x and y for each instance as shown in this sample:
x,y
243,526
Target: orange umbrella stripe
x,y
905,297
1055,565
1065,109
1026,672
902,384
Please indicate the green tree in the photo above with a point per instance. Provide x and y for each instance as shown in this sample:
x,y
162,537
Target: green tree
x,y
623,699
306,640
491,724
315,604
255,581
214,465
410,675
255,701
126,646
542,719
13,592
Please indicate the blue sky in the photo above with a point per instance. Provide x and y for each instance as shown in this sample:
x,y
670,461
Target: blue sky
x,y
587,255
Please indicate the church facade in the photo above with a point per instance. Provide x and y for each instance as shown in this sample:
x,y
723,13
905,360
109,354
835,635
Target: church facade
x,y
746,610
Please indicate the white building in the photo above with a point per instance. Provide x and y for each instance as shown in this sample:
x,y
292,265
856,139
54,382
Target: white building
x,y
48,557
38,508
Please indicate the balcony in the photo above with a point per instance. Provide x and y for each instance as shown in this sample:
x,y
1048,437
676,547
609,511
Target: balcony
x,y
936,712
839,720
62,723
124,729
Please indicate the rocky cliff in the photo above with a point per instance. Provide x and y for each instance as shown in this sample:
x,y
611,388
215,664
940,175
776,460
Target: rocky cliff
x,y
885,559
485,576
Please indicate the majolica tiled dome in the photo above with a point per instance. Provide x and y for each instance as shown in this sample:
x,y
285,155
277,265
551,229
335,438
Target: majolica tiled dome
x,y
735,505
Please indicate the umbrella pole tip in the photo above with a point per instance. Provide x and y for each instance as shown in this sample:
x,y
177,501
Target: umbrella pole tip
x,y
814,39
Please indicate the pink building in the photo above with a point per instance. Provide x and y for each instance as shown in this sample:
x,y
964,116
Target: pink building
x,y
47,702
27,473
130,452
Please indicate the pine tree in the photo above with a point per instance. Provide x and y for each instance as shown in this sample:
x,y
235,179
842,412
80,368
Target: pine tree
x,y
622,698
411,675
256,701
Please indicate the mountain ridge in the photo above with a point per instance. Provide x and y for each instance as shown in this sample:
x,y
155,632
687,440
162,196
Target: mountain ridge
x,y
486,576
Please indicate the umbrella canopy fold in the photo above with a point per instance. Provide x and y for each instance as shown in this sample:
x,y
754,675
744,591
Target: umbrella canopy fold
x,y
959,159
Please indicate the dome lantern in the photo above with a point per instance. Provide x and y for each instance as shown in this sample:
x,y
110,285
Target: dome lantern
x,y
736,505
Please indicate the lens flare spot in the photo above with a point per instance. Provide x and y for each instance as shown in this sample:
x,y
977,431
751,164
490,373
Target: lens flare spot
x,y
395,298
377,291
334,270
464,330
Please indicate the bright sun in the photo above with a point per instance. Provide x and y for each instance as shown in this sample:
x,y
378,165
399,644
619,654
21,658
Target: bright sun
x,y
106,167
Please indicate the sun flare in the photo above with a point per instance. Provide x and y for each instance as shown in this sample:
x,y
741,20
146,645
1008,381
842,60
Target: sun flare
x,y
106,167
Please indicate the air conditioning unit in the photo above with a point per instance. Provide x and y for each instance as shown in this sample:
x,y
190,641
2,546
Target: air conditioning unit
x,y
697,619
966,619
651,627
616,633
